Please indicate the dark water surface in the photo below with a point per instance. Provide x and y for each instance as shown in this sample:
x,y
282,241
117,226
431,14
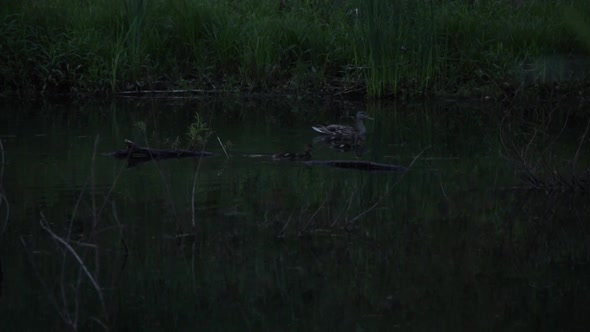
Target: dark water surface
x,y
456,243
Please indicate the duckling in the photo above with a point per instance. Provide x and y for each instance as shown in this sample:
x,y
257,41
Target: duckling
x,y
356,143
294,156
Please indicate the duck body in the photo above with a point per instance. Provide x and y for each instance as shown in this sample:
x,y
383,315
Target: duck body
x,y
338,130
334,130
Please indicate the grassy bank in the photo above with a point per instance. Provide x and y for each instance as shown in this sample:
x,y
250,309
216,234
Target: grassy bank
x,y
375,48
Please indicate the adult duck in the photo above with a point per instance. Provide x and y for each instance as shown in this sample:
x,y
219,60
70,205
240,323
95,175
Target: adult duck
x,y
344,130
306,155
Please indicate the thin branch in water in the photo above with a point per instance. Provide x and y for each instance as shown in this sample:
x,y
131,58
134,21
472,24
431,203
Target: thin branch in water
x,y
168,194
75,211
416,158
343,210
2,164
577,155
286,224
45,226
193,193
372,207
117,277
194,265
348,206
94,209
315,213
112,189
556,136
93,184
194,221
64,316
77,297
99,322
3,199
223,147
442,185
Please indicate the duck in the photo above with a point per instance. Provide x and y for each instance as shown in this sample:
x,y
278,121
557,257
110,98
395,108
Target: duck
x,y
306,155
339,130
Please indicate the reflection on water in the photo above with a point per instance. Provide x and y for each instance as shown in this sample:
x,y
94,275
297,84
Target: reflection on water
x,y
455,242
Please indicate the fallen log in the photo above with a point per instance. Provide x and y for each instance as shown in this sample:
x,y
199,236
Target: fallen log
x,y
135,154
360,165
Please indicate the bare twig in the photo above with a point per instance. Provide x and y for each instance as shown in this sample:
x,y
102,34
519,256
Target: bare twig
x,y
442,186
75,211
223,147
94,210
371,208
194,218
556,136
116,278
3,199
540,168
577,155
387,191
99,322
63,314
45,226
112,189
1,165
315,213
194,265
193,192
168,194
286,224
413,161
93,184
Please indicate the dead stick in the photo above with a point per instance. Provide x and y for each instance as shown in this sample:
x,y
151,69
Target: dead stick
x,y
223,147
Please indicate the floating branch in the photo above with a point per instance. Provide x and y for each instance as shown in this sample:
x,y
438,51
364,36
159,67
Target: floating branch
x,y
135,154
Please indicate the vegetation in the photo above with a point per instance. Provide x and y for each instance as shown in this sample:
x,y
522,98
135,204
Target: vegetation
x,y
377,48
533,139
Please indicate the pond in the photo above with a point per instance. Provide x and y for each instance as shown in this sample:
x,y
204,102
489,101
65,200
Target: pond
x,y
240,241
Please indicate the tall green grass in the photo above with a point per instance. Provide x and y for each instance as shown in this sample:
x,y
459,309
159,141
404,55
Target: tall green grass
x,y
382,47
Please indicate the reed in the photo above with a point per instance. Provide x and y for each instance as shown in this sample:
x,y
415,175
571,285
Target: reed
x,y
400,48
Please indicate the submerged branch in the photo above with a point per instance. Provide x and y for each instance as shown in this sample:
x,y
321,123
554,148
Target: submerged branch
x,y
45,226
582,140
387,191
223,147
1,164
3,199
537,157
64,315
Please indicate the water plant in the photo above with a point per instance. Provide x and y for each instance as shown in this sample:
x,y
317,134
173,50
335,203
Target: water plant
x,y
198,133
